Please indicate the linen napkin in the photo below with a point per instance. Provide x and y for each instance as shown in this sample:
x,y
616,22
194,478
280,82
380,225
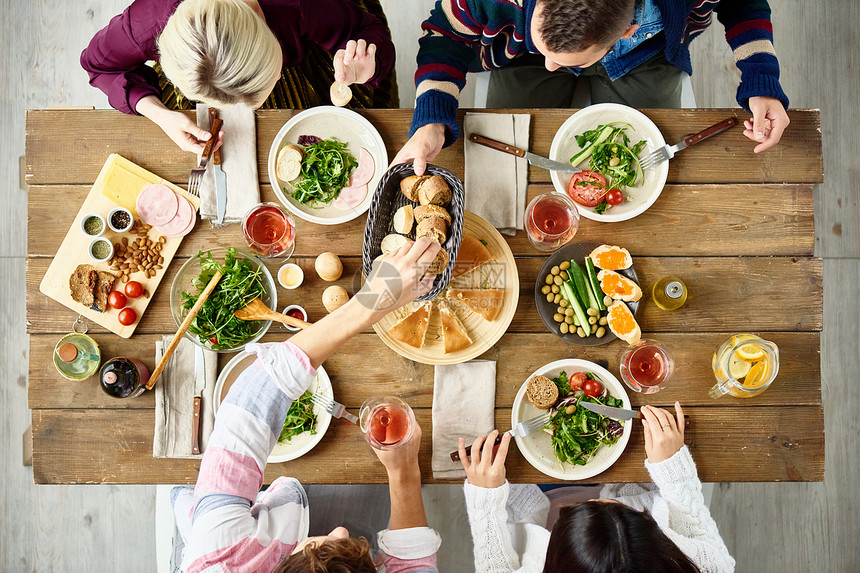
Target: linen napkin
x,y
238,161
464,398
495,181
174,401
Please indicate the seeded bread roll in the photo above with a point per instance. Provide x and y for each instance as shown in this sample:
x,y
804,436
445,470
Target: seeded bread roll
x,y
439,264
409,186
425,211
434,190
542,392
434,227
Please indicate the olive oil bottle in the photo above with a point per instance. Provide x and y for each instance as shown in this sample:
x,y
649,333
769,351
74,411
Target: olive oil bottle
x,y
670,293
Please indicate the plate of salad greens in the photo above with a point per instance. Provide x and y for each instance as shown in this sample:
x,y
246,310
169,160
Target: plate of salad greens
x,y
305,424
607,141
244,278
336,148
577,444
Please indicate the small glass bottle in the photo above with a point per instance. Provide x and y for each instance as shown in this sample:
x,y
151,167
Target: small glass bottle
x,y
124,377
76,356
669,293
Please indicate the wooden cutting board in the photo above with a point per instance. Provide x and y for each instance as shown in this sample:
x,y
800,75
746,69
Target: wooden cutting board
x,y
500,273
118,176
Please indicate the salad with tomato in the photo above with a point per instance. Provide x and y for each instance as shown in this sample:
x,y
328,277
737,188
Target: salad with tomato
x,y
577,433
613,166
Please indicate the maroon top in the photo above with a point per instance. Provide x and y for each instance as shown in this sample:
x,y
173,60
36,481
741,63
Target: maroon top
x,y
117,55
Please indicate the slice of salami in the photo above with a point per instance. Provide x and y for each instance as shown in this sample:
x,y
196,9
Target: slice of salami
x,y
185,216
365,170
350,197
157,204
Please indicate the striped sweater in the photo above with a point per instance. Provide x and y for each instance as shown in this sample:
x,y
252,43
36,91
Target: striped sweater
x,y
228,524
463,36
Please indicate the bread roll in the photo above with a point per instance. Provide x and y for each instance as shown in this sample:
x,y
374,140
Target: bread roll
x,y
424,211
434,190
409,186
404,219
542,392
434,227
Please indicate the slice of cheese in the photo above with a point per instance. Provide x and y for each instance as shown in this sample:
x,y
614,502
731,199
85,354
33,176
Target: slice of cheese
x,y
122,186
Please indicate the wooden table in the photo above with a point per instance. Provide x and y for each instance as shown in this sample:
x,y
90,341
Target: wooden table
x,y
736,226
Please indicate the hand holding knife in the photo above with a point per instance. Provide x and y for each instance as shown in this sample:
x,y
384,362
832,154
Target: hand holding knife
x,y
220,176
199,386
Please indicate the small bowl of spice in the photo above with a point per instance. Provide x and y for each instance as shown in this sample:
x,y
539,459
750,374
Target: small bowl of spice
x,y
93,225
295,311
120,220
100,250
291,276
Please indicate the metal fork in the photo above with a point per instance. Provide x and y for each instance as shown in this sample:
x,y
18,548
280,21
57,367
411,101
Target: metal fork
x,y
524,428
196,175
336,409
668,152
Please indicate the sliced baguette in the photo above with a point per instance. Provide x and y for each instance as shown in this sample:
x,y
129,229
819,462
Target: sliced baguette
x,y
409,186
340,94
424,211
434,190
542,392
392,243
439,264
404,219
289,163
434,227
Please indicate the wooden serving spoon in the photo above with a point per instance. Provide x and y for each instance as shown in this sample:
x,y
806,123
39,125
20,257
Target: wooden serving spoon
x,y
257,310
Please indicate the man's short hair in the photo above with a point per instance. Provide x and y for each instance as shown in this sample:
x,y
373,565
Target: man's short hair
x,y
570,26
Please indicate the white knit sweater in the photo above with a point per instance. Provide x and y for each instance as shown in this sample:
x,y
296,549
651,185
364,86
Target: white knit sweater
x,y
508,522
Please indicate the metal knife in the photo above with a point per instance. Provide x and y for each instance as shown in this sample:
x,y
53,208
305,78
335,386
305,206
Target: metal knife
x,y
532,158
620,413
199,386
220,177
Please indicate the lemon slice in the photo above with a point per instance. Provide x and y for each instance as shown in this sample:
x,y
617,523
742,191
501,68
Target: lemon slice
x,y
755,376
750,352
738,367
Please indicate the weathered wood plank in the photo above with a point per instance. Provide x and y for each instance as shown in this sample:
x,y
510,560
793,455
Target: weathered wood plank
x,y
705,220
516,356
729,444
728,159
726,294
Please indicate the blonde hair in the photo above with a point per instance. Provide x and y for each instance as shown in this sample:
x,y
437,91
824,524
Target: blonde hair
x,y
220,52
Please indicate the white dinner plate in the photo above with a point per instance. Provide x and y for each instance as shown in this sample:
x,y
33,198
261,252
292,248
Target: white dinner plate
x,y
638,199
298,445
328,122
537,447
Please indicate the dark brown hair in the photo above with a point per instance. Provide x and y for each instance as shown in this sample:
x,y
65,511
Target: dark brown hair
x,y
600,537
333,556
570,26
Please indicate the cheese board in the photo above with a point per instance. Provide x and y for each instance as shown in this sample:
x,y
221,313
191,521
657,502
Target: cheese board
x,y
118,185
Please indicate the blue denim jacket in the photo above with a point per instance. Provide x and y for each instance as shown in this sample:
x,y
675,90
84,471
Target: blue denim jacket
x,y
646,42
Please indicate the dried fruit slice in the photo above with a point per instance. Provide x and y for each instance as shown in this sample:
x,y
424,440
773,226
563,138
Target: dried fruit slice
x,y
622,324
611,258
618,286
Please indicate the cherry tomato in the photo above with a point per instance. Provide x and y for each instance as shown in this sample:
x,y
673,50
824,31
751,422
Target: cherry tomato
x,y
213,340
577,380
592,388
117,299
127,316
614,196
133,289
587,188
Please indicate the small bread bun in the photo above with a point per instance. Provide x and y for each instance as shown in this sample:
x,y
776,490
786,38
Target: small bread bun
x,y
434,227
424,211
404,218
409,186
439,264
434,190
289,164
340,94
392,243
542,392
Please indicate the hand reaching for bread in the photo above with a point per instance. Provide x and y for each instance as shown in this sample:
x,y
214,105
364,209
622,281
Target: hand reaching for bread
x,y
401,277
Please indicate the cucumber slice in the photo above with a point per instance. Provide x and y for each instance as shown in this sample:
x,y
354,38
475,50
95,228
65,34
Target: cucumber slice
x,y
595,284
579,281
585,152
567,292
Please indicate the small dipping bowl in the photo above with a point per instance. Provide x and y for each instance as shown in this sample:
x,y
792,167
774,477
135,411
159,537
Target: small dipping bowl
x,y
294,308
95,221
120,220
291,276
96,244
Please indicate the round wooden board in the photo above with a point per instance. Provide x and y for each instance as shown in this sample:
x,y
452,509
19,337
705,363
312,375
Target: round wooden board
x,y
500,273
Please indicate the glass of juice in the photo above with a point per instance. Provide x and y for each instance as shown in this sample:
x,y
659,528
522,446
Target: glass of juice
x,y
551,221
269,231
387,422
745,365
646,366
